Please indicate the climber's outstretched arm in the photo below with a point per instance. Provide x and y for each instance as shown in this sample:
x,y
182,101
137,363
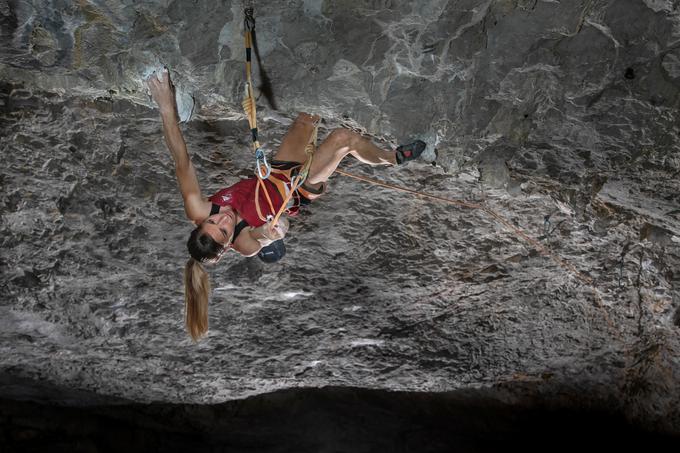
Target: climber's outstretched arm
x,y
196,207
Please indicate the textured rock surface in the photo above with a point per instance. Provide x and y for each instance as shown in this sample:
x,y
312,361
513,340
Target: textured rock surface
x,y
559,117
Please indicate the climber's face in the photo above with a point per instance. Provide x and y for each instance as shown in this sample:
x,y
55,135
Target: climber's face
x,y
220,226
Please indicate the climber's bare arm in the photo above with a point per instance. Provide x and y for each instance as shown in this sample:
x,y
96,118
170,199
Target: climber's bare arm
x,y
196,207
251,242
256,238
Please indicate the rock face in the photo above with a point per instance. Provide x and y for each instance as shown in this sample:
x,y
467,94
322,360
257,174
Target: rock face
x,y
556,123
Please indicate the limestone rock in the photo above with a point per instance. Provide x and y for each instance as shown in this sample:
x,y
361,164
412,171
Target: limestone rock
x,y
555,123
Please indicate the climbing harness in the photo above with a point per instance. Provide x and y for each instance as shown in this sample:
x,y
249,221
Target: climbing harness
x,y
263,168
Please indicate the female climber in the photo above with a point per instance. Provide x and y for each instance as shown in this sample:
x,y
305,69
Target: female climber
x,y
229,219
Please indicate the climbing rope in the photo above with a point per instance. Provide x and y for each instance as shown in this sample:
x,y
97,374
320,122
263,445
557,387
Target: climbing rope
x,y
505,222
264,171
518,231
628,351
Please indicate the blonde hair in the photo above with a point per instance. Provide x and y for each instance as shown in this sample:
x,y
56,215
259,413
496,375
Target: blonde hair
x,y
196,295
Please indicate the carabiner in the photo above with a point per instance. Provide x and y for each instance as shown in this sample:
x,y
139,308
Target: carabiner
x,y
260,161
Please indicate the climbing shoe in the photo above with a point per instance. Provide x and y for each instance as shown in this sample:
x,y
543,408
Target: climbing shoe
x,y
409,152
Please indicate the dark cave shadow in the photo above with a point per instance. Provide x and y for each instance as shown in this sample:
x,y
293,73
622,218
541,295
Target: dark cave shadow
x,y
339,419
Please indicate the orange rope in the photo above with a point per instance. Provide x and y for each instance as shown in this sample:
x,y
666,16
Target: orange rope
x,y
518,231
260,182
414,192
628,352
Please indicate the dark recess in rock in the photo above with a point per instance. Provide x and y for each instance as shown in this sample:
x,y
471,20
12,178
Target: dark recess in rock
x,y
326,419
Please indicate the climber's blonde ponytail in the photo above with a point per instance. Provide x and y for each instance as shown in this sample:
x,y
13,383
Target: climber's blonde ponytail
x,y
196,294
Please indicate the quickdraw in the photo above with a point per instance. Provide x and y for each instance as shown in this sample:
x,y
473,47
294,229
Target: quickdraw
x,y
263,168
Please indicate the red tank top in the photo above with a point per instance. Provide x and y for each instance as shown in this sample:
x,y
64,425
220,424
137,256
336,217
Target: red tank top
x,y
241,197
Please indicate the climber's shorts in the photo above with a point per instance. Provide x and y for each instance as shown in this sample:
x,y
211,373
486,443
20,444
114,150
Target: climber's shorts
x,y
283,172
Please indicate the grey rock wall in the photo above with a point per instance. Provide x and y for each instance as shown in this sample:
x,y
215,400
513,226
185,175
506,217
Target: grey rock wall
x,y
555,118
